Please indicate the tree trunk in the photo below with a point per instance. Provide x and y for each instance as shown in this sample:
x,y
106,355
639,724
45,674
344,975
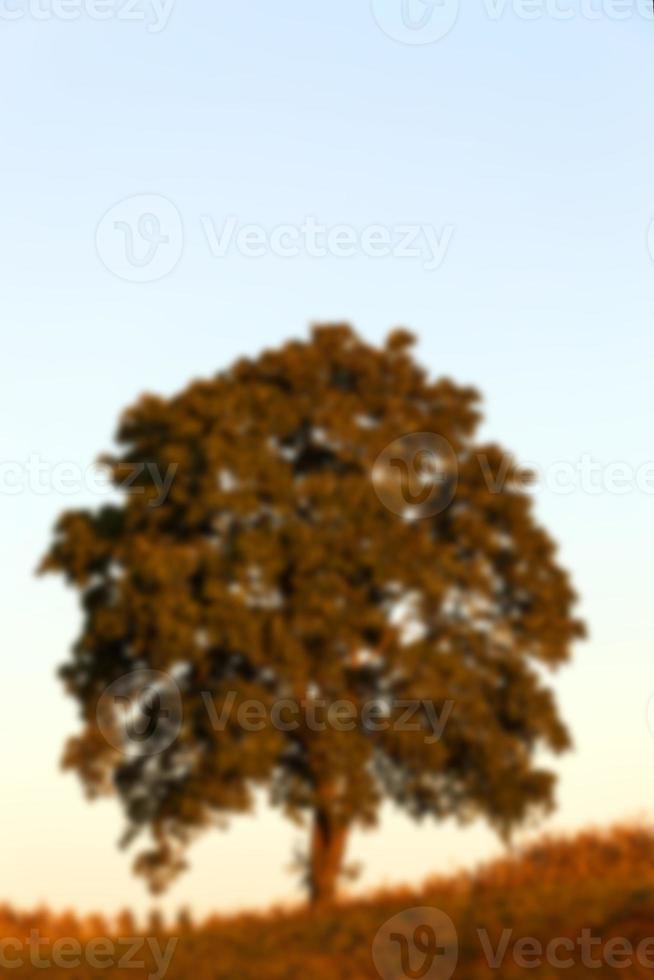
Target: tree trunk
x,y
327,851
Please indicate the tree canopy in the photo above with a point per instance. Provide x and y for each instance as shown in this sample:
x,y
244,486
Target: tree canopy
x,y
274,570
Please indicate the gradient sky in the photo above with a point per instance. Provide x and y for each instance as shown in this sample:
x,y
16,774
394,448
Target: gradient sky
x,y
531,139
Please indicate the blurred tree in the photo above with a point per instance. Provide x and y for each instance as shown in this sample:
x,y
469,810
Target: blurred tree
x,y
94,926
184,921
156,922
273,571
126,924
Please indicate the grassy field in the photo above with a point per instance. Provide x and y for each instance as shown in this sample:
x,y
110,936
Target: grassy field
x,y
597,885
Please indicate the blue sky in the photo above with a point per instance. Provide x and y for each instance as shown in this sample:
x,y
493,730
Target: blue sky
x,y
530,139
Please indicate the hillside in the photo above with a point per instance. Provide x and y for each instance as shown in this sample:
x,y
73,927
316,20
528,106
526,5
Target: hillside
x,y
593,894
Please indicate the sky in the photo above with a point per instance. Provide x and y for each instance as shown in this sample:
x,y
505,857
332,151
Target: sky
x,y
165,168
